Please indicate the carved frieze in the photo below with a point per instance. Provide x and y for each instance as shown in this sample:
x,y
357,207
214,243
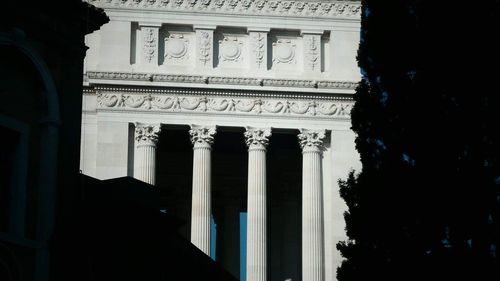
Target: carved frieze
x,y
182,78
298,8
224,105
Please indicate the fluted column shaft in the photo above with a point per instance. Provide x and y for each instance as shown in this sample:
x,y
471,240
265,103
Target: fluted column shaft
x,y
257,140
202,139
312,206
146,137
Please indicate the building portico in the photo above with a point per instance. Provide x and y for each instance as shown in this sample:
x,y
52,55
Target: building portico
x,y
239,113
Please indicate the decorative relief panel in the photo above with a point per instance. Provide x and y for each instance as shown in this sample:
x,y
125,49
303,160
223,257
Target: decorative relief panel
x,y
176,47
150,44
180,78
271,106
259,49
312,52
300,8
230,49
204,48
284,51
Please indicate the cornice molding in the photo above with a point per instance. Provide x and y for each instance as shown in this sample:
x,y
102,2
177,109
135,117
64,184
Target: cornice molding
x,y
278,8
187,102
199,79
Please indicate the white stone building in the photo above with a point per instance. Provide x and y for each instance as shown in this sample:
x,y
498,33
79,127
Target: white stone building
x,y
234,109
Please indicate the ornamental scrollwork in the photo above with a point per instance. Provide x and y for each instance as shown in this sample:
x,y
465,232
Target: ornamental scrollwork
x,y
223,105
297,8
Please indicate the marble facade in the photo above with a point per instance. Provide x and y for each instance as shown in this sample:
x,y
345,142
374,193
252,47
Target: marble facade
x,y
258,67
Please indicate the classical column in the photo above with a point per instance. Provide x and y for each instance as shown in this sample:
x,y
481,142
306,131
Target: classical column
x,y
202,139
312,50
311,143
146,137
257,140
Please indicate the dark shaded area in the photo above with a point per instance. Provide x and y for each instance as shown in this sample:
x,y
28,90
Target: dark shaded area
x,y
284,191
41,63
119,234
426,204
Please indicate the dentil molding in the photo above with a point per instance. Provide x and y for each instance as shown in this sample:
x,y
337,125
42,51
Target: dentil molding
x,y
115,99
181,78
298,8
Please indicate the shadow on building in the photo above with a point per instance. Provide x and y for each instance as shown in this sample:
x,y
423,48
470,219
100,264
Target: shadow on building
x,y
56,224
119,233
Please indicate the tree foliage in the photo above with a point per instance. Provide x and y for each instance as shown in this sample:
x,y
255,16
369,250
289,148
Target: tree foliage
x,y
426,203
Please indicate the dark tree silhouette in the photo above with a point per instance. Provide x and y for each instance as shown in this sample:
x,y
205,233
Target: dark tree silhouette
x,y
426,204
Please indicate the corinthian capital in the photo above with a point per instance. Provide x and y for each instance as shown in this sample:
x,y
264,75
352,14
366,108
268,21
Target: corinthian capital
x,y
147,134
311,140
202,136
257,137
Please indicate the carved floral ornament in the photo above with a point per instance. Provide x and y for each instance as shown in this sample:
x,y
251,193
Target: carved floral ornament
x,y
257,137
300,8
202,135
150,44
224,105
205,48
182,78
147,134
311,140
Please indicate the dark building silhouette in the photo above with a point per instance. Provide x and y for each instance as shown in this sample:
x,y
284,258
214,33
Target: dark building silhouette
x,y
56,224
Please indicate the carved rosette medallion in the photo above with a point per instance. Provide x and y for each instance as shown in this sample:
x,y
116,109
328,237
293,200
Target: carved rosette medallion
x,y
257,138
202,136
284,51
176,47
147,134
230,49
311,140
